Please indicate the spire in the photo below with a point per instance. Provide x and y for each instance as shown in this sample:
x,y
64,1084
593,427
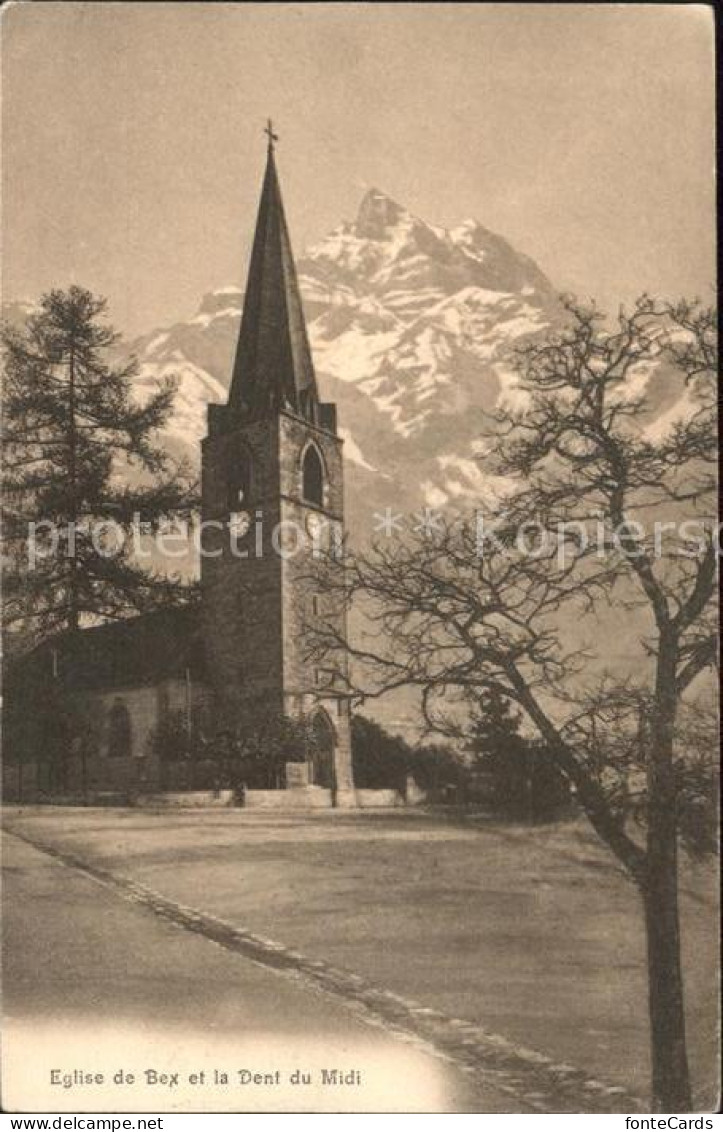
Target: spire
x,y
273,366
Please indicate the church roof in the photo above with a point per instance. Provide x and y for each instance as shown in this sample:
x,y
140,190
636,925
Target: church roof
x,y
273,368
137,651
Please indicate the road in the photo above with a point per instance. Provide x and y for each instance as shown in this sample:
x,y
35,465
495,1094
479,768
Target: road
x,y
95,985
515,951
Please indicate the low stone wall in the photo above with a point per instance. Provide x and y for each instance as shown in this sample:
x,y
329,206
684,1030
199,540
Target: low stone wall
x,y
188,799
307,798
371,799
35,788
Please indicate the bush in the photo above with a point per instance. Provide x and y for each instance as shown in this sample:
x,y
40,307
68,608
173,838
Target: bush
x,y
520,777
380,760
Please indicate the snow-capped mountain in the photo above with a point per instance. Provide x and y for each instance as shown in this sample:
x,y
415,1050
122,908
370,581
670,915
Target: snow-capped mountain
x,y
412,327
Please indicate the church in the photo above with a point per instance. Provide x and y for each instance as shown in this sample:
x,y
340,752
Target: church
x,y
164,701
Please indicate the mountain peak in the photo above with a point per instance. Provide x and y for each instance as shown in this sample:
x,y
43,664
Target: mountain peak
x,y
377,214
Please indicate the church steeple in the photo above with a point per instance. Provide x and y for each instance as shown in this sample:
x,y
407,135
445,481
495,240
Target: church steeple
x,y
273,467
273,368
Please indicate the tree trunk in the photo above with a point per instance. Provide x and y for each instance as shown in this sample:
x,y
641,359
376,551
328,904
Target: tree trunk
x,y
670,1077
72,550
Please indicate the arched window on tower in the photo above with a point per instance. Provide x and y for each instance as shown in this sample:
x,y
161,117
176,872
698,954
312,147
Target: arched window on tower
x,y
313,477
119,731
238,479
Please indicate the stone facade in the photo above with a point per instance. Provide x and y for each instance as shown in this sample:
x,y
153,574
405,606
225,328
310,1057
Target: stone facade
x,y
88,757
309,686
241,596
258,590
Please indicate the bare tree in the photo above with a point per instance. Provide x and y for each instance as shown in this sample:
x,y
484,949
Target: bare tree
x,y
607,518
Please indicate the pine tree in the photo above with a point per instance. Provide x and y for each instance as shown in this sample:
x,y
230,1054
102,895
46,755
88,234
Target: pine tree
x,y
81,452
525,781
495,726
501,752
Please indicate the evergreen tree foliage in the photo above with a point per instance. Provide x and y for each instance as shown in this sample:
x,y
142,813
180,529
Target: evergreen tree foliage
x,y
82,466
523,779
380,760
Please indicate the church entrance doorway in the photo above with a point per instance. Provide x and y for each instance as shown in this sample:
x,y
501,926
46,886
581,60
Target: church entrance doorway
x,y
322,758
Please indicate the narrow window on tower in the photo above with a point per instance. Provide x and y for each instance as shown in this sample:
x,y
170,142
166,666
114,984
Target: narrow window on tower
x,y
238,479
325,678
316,604
312,477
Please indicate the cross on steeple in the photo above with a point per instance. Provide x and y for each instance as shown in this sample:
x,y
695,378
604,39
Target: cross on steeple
x,y
269,131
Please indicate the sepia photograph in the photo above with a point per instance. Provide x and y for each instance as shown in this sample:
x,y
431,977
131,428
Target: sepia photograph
x,y
360,733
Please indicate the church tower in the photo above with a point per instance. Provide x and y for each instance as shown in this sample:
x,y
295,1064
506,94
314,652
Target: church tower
x,y
272,472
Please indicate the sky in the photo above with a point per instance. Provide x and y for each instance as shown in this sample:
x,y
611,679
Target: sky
x,y
133,148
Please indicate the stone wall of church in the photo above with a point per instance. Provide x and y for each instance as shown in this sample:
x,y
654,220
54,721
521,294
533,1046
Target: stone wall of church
x,y
307,598
108,767
258,593
241,583
124,770
95,759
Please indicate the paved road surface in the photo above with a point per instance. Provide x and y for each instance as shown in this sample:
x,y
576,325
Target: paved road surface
x,y
517,952
94,984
